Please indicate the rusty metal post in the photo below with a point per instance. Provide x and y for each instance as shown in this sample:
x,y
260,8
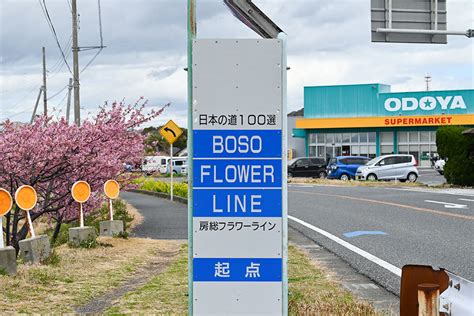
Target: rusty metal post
x,y
428,299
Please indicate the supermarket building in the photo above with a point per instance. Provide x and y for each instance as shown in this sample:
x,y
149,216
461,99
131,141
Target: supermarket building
x,y
370,120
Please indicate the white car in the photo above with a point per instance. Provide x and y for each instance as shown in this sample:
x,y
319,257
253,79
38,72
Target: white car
x,y
389,167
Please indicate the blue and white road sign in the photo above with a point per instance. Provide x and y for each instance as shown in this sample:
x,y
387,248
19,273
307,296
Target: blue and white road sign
x,y
238,177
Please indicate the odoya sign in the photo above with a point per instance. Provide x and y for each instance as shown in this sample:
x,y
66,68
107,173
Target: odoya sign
x,y
426,103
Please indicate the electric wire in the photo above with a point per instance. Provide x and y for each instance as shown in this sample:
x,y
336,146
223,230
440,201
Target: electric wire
x,y
53,30
101,47
57,93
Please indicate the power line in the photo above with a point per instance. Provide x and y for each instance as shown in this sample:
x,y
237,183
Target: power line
x,y
53,30
101,47
57,93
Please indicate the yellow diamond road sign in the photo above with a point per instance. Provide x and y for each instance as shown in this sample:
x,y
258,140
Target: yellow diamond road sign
x,y
171,132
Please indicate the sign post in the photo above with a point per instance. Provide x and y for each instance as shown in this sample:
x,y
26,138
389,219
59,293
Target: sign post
x,y
7,254
171,132
239,248
111,227
81,192
26,199
6,203
35,248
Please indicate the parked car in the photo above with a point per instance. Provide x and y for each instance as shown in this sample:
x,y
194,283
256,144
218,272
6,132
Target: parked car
x,y
345,167
389,167
439,166
307,167
153,164
178,163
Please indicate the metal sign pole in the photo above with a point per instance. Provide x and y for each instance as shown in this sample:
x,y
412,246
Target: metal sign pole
x,y
81,216
30,225
191,36
2,244
111,208
171,171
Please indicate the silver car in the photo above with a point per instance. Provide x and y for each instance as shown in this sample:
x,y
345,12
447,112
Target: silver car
x,y
389,167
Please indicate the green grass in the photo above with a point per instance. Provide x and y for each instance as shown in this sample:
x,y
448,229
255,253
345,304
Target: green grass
x,y
311,292
148,184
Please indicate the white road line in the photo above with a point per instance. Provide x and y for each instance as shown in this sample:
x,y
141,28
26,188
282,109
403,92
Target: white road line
x,y
458,192
447,204
384,264
468,200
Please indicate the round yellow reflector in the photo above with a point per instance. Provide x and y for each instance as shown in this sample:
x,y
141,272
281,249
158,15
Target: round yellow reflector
x,y
112,189
26,197
81,191
6,202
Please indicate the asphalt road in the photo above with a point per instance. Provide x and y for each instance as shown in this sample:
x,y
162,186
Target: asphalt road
x,y
411,226
430,176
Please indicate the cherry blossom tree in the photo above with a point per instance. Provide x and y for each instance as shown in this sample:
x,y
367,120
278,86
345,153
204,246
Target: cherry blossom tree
x,y
51,155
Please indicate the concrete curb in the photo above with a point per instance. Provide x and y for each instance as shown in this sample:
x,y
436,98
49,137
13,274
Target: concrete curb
x,y
161,195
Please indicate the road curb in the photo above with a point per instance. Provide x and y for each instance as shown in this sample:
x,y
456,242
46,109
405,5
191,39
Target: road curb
x,y
161,195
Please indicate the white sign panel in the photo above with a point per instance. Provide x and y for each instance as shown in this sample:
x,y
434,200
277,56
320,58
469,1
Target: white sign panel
x,y
238,162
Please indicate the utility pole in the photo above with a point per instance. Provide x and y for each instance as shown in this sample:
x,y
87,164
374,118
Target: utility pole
x,y
428,81
45,98
68,109
36,106
75,58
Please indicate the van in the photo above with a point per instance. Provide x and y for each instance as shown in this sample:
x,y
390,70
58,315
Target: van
x,y
389,167
178,164
153,164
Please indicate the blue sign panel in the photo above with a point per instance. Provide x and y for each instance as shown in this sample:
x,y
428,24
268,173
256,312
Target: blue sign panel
x,y
237,203
237,143
237,269
237,173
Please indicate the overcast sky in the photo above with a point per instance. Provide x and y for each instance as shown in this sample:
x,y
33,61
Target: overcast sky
x,y
328,41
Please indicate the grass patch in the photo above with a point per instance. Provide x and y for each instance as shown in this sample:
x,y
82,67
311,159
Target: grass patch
x,y
355,183
311,292
166,293
77,275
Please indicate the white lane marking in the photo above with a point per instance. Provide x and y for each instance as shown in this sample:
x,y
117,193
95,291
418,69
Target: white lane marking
x,y
468,200
384,264
459,192
448,204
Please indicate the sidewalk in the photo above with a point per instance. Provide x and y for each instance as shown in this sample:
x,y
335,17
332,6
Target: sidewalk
x,y
162,219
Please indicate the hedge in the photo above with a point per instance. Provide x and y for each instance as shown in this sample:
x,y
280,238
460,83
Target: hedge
x,y
458,151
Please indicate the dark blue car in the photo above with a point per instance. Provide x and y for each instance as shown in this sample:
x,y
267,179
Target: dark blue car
x,y
345,167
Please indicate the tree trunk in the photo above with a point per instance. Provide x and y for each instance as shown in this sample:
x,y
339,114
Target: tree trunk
x,y
57,229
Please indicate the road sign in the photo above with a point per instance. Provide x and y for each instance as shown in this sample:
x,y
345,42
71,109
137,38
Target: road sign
x,y
238,177
111,189
409,21
6,202
171,131
26,197
81,191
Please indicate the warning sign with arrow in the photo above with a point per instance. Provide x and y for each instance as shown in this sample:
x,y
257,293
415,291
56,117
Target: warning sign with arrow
x,y
171,131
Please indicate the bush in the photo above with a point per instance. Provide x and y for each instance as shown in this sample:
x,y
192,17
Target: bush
x,y
456,148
